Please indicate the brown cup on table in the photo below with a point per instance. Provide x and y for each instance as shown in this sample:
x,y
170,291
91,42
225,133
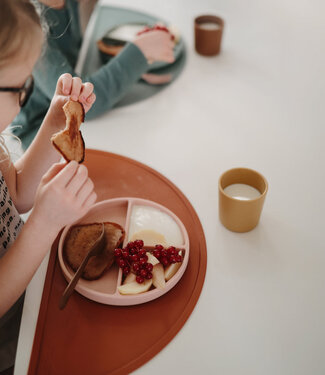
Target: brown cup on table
x,y
242,193
208,34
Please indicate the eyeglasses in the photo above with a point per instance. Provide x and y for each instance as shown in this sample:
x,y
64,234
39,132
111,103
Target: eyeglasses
x,y
24,92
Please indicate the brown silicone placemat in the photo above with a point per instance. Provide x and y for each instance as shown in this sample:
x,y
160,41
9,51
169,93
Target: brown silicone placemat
x,y
90,338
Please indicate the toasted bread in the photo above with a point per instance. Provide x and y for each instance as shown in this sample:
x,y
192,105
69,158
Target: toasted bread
x,y
109,49
69,141
80,239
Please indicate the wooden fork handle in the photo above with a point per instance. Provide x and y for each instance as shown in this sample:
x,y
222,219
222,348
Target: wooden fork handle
x,y
73,282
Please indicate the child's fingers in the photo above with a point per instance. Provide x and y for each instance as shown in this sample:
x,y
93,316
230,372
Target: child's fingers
x,y
53,171
66,174
86,90
90,200
64,84
85,191
76,87
89,102
78,180
91,99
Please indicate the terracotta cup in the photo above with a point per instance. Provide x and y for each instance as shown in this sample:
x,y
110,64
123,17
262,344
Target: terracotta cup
x,y
241,215
208,34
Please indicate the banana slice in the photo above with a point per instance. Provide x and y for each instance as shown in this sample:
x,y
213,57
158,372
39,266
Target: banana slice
x,y
152,259
158,276
171,270
129,278
135,288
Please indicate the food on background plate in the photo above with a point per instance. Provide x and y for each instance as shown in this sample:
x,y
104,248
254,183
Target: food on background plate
x,y
139,266
69,141
114,41
174,34
79,241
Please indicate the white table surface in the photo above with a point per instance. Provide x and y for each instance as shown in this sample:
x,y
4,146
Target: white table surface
x,y
260,104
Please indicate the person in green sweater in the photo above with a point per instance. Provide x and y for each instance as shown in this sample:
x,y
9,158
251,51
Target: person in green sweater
x,y
110,82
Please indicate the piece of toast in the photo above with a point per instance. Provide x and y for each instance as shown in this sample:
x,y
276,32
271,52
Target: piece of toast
x,y
69,141
109,49
80,239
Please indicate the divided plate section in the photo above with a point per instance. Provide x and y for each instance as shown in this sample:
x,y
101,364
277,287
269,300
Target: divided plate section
x,y
141,219
154,224
114,211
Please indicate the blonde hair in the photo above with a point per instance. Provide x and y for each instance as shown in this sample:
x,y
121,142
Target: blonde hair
x,y
18,19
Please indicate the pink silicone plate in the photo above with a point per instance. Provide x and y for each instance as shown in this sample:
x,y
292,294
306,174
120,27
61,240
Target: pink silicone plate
x,y
105,289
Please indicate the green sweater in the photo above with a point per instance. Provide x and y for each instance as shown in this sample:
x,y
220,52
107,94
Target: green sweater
x,y
64,39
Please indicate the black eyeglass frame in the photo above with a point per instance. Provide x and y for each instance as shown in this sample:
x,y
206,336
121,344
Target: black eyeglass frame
x,y
24,91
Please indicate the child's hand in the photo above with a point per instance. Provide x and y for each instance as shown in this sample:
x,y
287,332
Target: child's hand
x,y
69,87
156,45
78,91
64,195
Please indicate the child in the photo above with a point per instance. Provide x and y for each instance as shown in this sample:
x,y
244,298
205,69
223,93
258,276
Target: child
x,y
112,80
59,193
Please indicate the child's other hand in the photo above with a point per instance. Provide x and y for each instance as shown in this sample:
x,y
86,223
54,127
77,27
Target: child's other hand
x,y
64,195
156,45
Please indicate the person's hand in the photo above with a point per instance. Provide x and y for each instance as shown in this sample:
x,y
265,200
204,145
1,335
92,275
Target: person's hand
x,y
156,45
64,195
73,88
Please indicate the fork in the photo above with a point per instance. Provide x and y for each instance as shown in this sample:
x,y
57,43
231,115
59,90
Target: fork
x,y
96,249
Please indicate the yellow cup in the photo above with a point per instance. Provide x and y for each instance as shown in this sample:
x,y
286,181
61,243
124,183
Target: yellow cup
x,y
236,214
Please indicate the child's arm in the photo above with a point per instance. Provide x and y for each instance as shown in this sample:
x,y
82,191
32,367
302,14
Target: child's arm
x,y
113,79
24,177
64,195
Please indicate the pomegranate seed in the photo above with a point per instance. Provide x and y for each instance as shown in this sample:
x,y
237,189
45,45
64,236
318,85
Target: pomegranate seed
x,y
149,267
156,253
163,253
142,252
159,247
178,258
126,270
132,251
138,243
125,254
149,276
122,263
172,259
136,267
164,261
142,261
143,273
134,258
139,279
